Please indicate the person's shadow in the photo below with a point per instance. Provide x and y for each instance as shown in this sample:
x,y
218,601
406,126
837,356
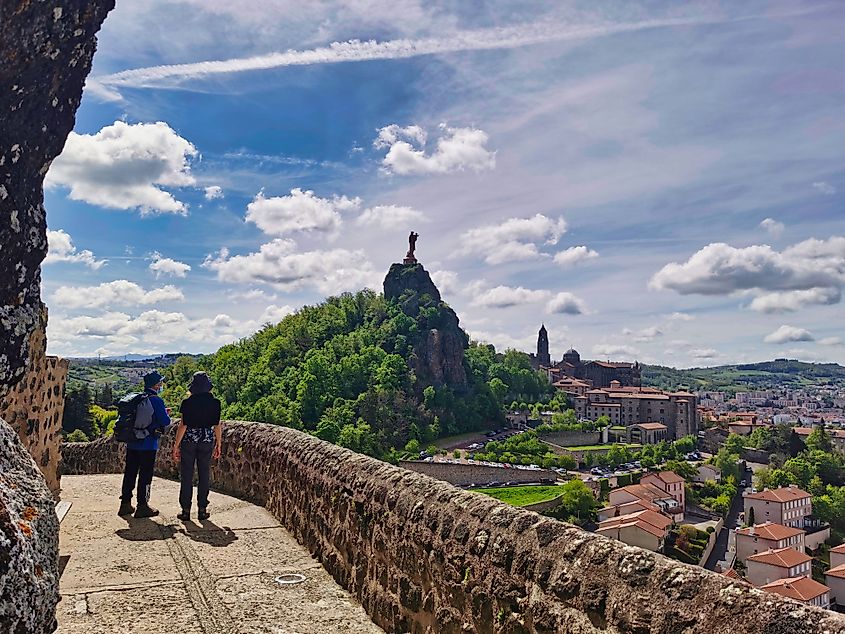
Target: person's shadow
x,y
144,530
207,532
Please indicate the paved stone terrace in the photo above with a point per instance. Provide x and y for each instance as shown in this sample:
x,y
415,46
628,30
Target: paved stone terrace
x,y
126,575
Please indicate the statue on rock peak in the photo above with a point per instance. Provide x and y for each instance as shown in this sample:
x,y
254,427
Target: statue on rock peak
x,y
412,245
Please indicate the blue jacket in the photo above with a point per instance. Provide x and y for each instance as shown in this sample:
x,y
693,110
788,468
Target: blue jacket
x,y
160,421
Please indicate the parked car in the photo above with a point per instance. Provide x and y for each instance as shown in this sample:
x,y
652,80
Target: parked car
x,y
743,483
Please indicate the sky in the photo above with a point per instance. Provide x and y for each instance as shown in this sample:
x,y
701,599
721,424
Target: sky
x,y
653,181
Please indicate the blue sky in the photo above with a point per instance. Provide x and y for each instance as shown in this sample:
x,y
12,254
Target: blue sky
x,y
651,181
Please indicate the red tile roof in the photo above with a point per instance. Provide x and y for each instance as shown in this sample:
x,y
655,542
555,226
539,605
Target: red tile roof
x,y
783,494
655,426
838,571
770,530
838,549
799,588
669,477
782,558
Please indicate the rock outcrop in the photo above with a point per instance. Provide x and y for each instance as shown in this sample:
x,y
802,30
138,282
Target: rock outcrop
x,y
45,55
425,557
29,542
46,48
438,356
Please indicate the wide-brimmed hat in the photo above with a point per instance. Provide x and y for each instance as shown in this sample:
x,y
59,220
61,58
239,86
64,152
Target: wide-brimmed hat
x,y
200,383
153,378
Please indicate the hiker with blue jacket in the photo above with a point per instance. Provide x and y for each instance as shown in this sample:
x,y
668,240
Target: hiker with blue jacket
x,y
141,454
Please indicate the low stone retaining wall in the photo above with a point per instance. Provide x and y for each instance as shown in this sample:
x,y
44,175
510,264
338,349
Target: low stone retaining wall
x,y
539,507
464,474
573,438
423,556
756,455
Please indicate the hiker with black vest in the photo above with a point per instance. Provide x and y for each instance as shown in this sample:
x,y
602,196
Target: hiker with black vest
x,y
198,439
141,443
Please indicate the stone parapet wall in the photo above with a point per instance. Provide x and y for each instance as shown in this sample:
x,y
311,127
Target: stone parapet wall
x,y
461,474
572,438
34,407
423,556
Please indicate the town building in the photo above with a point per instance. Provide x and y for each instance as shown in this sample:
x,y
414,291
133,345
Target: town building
x,y
788,506
668,482
707,472
635,405
643,496
572,387
835,580
646,529
771,565
647,433
767,536
597,373
837,556
803,589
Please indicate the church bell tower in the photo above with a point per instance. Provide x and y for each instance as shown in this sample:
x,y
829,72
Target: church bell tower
x,y
543,357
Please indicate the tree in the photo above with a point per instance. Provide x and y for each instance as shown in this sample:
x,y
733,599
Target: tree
x,y
819,440
77,435
734,444
499,388
578,501
749,521
104,396
800,470
76,414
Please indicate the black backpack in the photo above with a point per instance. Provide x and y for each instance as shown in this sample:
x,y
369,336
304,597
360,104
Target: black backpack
x,y
134,416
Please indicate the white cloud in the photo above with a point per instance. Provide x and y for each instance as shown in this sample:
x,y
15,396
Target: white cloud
x,y
704,353
252,294
830,341
514,239
125,166
457,149
277,263
60,248
574,256
213,192
107,86
299,211
118,292
825,188
608,350
772,226
810,272
645,335
786,334
566,304
680,317
274,314
445,281
389,216
168,266
790,301
507,296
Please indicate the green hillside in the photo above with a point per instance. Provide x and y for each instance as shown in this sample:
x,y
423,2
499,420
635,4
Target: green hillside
x,y
752,376
368,371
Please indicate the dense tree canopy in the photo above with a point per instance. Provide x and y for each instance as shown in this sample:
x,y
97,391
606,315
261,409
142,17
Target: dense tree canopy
x,y
342,370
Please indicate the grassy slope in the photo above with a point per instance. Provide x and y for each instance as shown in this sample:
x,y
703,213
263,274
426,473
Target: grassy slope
x,y
522,496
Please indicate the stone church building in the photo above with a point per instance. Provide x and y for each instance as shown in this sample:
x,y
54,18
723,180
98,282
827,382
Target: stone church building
x,y
598,373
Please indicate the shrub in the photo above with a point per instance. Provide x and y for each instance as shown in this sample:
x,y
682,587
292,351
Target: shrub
x,y
77,435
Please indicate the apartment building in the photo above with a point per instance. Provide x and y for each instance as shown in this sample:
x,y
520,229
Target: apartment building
x,y
788,506
767,536
771,565
646,496
646,529
803,589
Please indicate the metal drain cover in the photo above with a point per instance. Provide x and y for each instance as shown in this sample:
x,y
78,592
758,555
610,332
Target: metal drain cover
x,y
289,579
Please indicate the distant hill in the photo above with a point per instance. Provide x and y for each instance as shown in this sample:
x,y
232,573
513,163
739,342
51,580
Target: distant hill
x,y
745,377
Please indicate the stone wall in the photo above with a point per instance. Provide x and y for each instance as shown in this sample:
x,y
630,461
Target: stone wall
x,y
423,556
756,455
464,474
34,407
573,438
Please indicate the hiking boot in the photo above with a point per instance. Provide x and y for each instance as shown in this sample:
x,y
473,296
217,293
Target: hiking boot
x,y
185,516
203,514
126,508
145,510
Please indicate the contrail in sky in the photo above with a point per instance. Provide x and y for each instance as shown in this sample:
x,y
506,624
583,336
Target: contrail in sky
x,y
357,51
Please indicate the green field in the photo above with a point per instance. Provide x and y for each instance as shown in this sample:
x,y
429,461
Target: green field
x,y
522,496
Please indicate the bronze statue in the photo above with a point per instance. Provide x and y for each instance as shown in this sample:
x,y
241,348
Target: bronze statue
x,y
412,244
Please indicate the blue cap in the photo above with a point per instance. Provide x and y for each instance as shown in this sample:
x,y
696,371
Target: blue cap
x,y
152,379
